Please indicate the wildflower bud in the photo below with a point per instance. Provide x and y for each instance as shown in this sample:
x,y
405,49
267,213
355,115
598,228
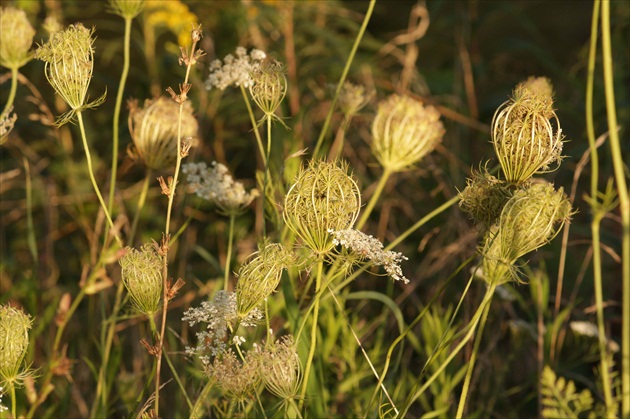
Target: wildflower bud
x,y
484,197
69,59
14,327
154,131
142,276
280,367
260,276
526,133
269,87
322,198
529,220
127,9
352,98
404,131
16,38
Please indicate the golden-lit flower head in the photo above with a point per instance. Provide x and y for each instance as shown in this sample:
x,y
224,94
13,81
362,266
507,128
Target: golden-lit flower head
x,y
16,38
484,197
529,220
142,276
69,59
268,87
404,131
324,197
154,131
526,133
280,366
14,327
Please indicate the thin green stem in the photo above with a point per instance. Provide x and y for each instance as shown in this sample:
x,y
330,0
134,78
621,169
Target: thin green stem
x,y
473,356
30,238
336,150
228,257
250,112
12,91
266,176
342,80
311,351
93,179
624,204
13,401
375,196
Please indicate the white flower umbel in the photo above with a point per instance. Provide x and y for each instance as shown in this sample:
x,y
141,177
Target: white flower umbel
x,y
2,407
217,185
234,70
221,316
368,247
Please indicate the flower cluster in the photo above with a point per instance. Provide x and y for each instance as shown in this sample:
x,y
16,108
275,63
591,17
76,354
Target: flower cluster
x,y
221,316
16,36
368,247
234,70
217,185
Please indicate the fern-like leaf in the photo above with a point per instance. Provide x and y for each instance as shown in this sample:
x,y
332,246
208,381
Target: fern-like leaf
x,y
561,399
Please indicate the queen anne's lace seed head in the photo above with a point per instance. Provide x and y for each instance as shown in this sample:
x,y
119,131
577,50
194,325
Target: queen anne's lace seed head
x,y
16,38
217,186
268,87
236,379
484,197
234,70
370,248
14,327
280,367
154,130
352,98
142,277
526,133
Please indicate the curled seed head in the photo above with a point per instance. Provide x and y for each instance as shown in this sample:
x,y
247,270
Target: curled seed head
x,y
484,197
14,327
142,276
237,380
280,367
16,38
404,131
154,131
324,197
526,133
269,86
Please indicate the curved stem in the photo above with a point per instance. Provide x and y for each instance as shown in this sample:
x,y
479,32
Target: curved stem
x,y
93,179
342,80
228,257
12,91
375,196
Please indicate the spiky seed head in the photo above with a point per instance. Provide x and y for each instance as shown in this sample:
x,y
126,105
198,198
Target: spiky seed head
x,y
260,276
268,87
16,38
237,380
352,98
280,367
526,133
154,131
69,59
530,219
127,9
404,131
142,277
484,197
324,197
14,327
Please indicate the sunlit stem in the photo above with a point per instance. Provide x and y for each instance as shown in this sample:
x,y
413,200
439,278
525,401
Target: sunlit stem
x,y
250,112
228,257
387,172
12,91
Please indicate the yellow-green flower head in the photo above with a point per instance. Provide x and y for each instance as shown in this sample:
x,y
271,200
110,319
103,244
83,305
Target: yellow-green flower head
x,y
268,87
526,133
154,131
127,9
352,98
69,59
484,197
16,38
324,197
404,131
529,220
260,276
142,276
280,366
14,327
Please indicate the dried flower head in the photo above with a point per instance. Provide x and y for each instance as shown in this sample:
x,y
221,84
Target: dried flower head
x,y
234,70
484,197
237,380
280,367
260,276
154,131
127,9
14,327
16,38
217,185
352,98
268,87
324,197
69,59
526,133
529,220
142,276
404,131
370,248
